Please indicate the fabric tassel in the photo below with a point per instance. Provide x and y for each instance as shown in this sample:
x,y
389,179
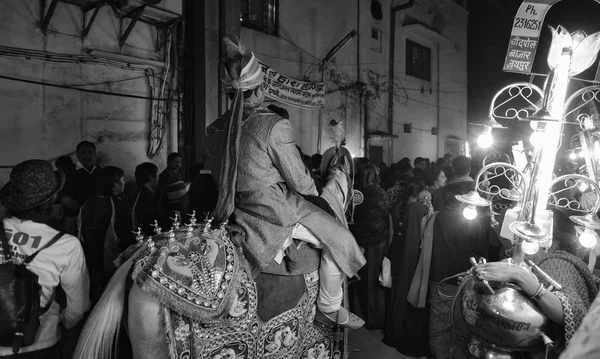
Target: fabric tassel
x,y
228,175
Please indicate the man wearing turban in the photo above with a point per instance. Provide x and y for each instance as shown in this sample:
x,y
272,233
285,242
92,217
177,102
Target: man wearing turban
x,y
262,181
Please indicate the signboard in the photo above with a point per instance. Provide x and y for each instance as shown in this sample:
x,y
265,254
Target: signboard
x,y
525,35
293,92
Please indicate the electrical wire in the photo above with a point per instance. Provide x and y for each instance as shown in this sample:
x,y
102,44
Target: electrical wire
x,y
289,60
110,82
299,48
108,93
68,58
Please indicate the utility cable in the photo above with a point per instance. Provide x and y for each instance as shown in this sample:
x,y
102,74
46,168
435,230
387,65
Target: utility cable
x,y
83,89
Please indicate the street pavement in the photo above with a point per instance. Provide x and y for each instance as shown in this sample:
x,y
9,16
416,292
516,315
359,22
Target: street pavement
x,y
367,344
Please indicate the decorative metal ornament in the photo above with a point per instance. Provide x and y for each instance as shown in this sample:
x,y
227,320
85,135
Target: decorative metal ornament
x,y
193,219
528,230
357,197
490,122
171,235
511,194
590,221
157,228
176,222
139,236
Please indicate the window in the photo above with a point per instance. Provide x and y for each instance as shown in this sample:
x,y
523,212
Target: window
x,y
376,10
376,39
418,61
260,15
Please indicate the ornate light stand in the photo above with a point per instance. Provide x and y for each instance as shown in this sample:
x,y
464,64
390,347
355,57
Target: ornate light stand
x,y
503,321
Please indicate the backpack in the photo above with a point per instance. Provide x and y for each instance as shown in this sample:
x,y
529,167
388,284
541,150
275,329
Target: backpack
x,y
20,295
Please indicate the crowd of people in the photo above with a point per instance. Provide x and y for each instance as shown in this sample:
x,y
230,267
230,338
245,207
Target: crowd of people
x,y
399,204
81,217
411,217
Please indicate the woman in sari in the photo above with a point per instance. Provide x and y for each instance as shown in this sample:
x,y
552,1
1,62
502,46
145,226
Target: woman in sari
x,y
436,179
564,263
371,230
406,327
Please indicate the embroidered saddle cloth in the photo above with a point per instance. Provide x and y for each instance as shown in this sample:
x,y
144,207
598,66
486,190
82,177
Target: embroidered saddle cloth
x,y
194,271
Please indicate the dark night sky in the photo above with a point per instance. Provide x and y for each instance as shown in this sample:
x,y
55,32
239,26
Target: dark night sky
x,y
490,24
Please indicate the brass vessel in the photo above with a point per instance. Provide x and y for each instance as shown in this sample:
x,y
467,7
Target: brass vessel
x,y
508,319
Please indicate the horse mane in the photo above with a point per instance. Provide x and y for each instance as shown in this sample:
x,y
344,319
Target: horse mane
x,y
99,336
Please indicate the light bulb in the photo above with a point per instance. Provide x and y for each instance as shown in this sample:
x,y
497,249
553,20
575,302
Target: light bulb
x,y
583,186
537,139
588,238
573,156
470,213
485,140
588,124
530,248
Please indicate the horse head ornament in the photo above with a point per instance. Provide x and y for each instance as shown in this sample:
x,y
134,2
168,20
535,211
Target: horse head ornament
x,y
194,272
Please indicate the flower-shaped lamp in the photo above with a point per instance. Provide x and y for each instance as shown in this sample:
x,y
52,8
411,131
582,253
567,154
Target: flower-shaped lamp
x,y
590,221
529,231
490,122
473,199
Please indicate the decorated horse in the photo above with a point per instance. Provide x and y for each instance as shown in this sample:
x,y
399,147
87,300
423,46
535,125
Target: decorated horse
x,y
186,293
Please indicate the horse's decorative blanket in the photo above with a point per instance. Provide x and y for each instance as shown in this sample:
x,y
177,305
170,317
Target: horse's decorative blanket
x,y
211,304
194,271
242,335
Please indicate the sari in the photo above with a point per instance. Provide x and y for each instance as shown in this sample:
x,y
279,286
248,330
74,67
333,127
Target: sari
x,y
371,230
407,327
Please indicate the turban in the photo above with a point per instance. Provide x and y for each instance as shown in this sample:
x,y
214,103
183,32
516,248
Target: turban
x,y
251,75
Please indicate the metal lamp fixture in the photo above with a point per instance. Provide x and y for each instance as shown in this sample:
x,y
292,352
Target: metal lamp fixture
x,y
534,190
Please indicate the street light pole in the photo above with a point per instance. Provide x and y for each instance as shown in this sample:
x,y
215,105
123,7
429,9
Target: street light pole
x,y
330,55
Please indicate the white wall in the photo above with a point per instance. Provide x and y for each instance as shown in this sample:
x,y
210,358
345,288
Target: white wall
x,y
421,107
46,122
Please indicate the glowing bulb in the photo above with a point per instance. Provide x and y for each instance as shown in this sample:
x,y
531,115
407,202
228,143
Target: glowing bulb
x,y
588,124
485,140
537,139
583,186
470,213
588,238
530,248
573,156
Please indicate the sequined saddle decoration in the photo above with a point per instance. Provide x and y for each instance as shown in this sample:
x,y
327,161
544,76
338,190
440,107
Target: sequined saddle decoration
x,y
193,271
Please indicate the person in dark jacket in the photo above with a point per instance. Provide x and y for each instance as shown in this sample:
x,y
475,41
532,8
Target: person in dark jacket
x,y
147,206
84,180
66,197
203,191
461,183
105,227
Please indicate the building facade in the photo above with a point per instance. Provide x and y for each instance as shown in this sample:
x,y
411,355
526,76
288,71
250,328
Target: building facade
x,y
416,107
71,71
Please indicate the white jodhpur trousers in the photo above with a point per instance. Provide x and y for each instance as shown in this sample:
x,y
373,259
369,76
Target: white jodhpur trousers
x,y
331,276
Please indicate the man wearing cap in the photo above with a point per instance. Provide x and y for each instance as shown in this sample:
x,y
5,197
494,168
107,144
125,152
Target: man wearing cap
x,y
262,181
28,198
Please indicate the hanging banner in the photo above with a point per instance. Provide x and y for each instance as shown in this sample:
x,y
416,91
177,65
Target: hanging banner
x,y
293,92
525,35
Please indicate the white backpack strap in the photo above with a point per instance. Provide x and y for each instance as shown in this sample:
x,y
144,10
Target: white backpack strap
x,y
79,225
